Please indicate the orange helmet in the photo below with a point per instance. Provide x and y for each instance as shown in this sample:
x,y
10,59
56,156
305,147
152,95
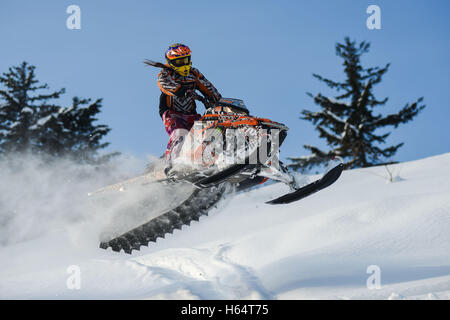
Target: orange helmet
x,y
178,56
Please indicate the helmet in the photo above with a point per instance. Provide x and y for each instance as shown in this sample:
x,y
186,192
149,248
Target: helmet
x,y
178,57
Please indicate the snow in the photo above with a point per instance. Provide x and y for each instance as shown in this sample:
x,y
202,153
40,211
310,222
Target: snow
x,y
66,110
27,110
15,124
318,248
341,120
43,120
306,158
338,101
40,122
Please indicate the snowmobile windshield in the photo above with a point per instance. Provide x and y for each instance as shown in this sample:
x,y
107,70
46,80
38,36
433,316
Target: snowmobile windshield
x,y
234,110
231,105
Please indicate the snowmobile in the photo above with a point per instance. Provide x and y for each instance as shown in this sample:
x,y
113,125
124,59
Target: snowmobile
x,y
227,150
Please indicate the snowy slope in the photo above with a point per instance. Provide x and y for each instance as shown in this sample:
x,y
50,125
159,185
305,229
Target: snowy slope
x,y
317,248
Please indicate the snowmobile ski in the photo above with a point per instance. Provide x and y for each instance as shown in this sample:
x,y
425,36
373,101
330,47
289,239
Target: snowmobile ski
x,y
328,179
222,176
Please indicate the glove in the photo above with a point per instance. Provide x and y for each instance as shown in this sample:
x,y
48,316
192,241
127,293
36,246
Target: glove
x,y
214,99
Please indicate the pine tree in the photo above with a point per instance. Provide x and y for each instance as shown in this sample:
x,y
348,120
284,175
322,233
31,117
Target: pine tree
x,y
71,132
347,121
22,108
28,122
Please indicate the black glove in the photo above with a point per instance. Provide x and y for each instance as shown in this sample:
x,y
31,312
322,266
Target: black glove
x,y
215,98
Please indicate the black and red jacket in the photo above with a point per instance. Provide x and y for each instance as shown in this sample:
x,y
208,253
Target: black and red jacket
x,y
178,91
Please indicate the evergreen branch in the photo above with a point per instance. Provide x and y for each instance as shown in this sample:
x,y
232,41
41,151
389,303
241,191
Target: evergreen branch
x,y
329,104
403,116
54,95
373,102
387,152
332,84
379,139
9,99
346,95
332,139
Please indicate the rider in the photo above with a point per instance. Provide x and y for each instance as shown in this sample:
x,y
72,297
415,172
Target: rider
x,y
177,106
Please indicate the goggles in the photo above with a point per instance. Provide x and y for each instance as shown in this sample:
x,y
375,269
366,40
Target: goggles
x,y
180,61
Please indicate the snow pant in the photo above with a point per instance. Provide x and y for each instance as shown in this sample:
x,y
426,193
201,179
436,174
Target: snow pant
x,y
177,125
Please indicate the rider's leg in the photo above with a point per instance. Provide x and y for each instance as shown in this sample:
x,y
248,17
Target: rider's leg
x,y
177,126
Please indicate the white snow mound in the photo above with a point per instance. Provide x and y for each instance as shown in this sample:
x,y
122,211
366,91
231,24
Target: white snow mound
x,y
326,246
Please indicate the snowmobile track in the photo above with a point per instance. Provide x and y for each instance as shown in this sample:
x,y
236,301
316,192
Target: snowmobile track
x,y
198,204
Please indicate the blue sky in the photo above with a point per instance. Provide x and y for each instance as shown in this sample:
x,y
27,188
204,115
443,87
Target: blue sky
x,y
263,52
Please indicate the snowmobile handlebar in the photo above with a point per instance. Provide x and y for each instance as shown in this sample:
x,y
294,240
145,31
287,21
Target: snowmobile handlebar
x,y
203,100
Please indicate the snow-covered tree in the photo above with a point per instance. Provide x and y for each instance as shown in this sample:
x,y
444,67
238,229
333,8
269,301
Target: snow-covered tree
x,y
29,122
347,121
70,131
22,107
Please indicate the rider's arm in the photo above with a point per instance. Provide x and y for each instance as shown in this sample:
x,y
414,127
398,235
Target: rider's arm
x,y
167,84
206,87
